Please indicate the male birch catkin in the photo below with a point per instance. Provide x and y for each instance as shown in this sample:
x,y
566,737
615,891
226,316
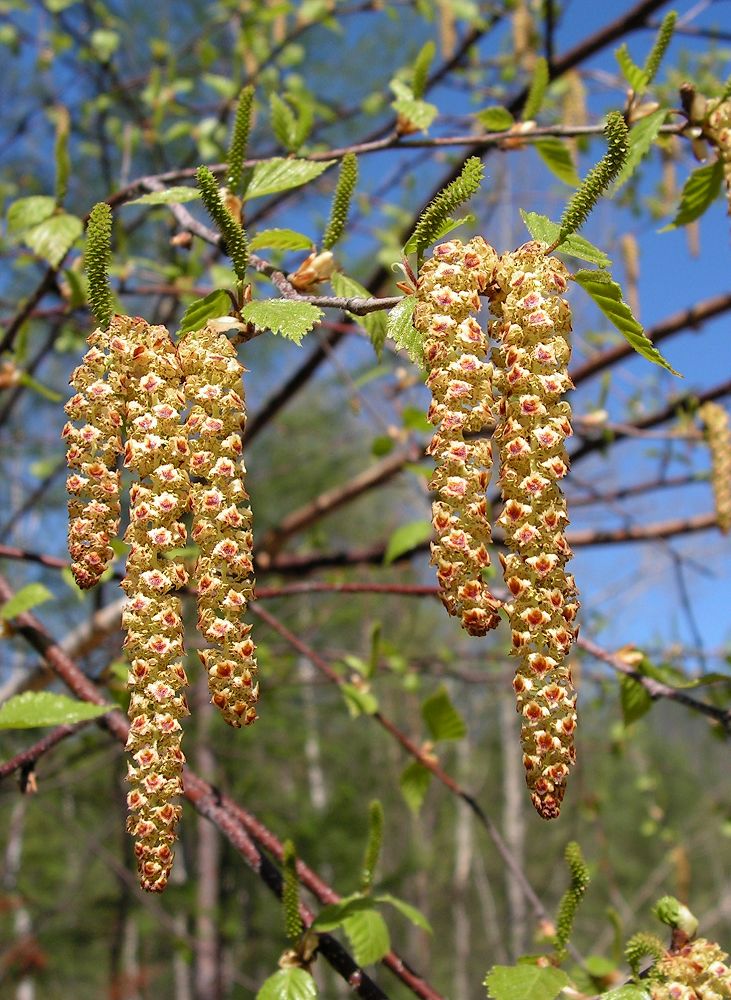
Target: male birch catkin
x,y
718,435
157,450
531,327
221,521
92,451
455,348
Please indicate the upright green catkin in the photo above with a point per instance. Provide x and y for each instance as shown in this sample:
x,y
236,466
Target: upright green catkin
x,y
420,71
374,845
221,527
537,90
239,141
445,202
97,260
460,380
658,50
347,179
156,451
718,435
290,893
532,326
232,232
569,904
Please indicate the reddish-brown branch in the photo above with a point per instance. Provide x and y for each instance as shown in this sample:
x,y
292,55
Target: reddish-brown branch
x,y
26,759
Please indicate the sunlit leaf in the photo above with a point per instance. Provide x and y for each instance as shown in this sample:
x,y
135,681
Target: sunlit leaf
x,y
34,709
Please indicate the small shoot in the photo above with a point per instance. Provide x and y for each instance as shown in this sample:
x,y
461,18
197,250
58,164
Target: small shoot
x,y
537,90
373,847
347,179
239,141
569,904
676,915
232,231
432,220
597,180
97,261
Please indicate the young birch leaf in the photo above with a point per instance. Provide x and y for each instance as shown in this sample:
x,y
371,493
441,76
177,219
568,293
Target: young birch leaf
x,y
420,72
287,317
28,597
641,139
634,699
635,76
288,984
419,114
627,992
170,196
53,238
517,982
401,330
280,239
359,702
608,296
495,118
35,709
333,916
441,717
416,917
213,306
284,122
557,157
405,538
368,936
277,174
28,212
699,191
374,323
541,228
414,784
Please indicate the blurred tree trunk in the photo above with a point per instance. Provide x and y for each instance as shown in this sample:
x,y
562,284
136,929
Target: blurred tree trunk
x,y
463,850
513,823
207,947
22,928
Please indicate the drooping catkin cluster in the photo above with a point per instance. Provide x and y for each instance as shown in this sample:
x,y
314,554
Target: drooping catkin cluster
x,y
92,451
221,521
718,130
156,450
455,349
718,435
532,325
697,971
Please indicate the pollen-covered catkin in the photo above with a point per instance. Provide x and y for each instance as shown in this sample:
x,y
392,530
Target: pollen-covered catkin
x,y
718,130
157,450
698,971
460,380
221,521
93,448
718,435
532,325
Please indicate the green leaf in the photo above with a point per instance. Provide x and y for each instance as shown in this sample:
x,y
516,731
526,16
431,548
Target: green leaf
x,y
374,323
557,157
284,122
280,239
441,717
608,296
627,992
332,916
518,982
359,702
495,118
34,709
53,238
541,228
418,113
280,174
288,984
170,196
633,74
35,386
28,212
641,139
28,597
414,784
401,330
634,699
104,43
213,306
286,317
405,538
368,936
416,917
699,191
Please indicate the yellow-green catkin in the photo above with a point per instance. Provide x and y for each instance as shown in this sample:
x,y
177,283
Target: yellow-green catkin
x,y
221,521
697,971
718,434
718,130
92,452
532,326
460,380
156,450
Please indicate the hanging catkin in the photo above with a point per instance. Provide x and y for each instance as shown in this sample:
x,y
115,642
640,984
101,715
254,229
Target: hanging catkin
x,y
718,435
460,380
718,130
93,450
221,521
531,327
156,450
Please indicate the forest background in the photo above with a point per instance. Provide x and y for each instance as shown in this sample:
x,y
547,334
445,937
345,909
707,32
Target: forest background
x,y
337,476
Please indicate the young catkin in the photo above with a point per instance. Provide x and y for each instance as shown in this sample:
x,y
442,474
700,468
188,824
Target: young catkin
x,y
718,434
530,372
221,521
460,380
156,450
93,448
